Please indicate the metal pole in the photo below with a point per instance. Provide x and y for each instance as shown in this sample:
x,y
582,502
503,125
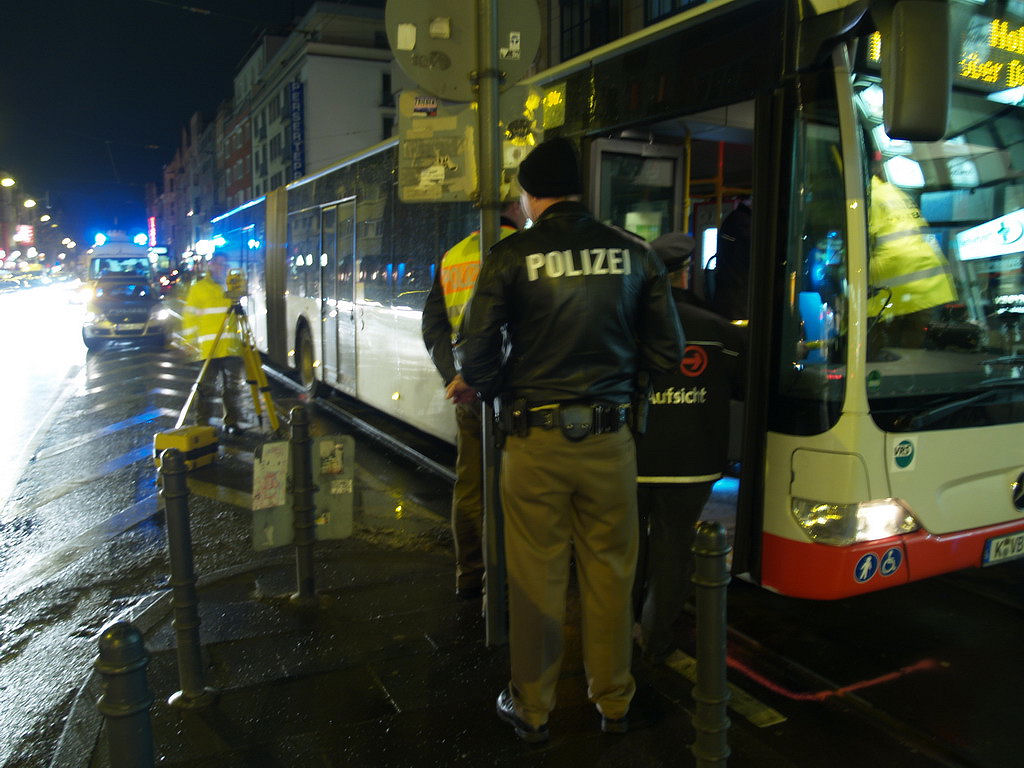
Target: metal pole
x,y
303,508
184,600
488,79
495,601
126,699
711,692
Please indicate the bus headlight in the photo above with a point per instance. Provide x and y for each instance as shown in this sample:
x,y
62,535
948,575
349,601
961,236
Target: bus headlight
x,y
843,524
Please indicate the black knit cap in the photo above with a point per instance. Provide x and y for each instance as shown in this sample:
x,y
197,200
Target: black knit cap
x,y
551,170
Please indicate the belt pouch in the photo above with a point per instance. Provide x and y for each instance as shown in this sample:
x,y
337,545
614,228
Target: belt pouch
x,y
576,421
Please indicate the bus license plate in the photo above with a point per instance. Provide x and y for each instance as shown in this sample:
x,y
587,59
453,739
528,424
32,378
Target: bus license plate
x,y
1003,548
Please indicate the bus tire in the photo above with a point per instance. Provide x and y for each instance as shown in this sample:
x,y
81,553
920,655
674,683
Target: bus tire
x,y
304,359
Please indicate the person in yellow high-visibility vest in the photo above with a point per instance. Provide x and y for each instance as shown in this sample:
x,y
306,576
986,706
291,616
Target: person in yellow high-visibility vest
x,y
907,271
206,306
453,284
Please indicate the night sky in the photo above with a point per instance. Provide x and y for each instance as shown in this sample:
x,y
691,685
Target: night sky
x,y
94,93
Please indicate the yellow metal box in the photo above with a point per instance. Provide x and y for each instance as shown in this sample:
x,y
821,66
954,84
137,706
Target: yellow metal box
x,y
198,445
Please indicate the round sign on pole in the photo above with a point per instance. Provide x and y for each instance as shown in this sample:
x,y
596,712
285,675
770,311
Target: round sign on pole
x,y
435,42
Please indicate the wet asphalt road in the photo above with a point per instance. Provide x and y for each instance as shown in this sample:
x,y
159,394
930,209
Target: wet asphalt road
x,y
81,538
933,666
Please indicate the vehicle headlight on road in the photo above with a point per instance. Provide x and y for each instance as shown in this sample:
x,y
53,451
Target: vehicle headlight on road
x,y
90,318
843,524
160,314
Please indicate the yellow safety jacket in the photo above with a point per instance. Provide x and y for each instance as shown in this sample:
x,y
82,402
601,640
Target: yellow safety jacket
x,y
206,307
459,269
902,259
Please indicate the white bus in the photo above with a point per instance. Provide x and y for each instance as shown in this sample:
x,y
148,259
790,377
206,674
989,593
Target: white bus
x,y
878,445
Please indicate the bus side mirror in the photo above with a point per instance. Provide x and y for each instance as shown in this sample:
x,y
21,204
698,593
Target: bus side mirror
x,y
916,67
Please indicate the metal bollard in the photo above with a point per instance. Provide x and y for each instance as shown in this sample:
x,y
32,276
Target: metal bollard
x,y
126,699
711,692
303,508
184,600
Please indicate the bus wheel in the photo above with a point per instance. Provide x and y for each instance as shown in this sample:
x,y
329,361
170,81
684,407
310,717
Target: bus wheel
x,y
304,360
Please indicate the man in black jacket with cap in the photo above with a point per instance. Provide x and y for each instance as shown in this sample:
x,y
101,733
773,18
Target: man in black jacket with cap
x,y
584,307
684,450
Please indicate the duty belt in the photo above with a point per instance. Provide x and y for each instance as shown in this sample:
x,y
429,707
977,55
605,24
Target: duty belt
x,y
577,420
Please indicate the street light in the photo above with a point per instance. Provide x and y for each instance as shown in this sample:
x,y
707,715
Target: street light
x,y
45,217
7,181
29,203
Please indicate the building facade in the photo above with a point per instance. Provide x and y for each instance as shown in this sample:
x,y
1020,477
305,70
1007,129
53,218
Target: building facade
x,y
302,102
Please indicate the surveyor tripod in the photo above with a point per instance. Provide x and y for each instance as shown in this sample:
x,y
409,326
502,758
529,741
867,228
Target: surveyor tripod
x,y
235,320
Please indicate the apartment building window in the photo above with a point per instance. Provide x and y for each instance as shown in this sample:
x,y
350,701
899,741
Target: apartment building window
x,y
387,99
587,24
387,127
276,180
656,10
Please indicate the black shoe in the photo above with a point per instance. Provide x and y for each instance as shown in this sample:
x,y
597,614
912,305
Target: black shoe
x,y
507,712
614,725
469,593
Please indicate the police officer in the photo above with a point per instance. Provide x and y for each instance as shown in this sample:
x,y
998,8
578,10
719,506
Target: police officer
x,y
453,284
206,306
584,307
684,449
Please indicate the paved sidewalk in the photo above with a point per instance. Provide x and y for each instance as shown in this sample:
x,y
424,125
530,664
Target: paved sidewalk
x,y
388,670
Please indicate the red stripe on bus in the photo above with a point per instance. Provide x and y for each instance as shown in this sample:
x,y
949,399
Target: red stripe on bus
x,y
822,572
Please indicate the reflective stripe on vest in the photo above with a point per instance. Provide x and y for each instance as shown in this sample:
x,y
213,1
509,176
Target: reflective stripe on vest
x,y
921,274
460,267
206,308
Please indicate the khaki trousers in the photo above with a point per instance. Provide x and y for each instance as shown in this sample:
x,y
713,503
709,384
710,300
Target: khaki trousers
x,y
561,497
467,498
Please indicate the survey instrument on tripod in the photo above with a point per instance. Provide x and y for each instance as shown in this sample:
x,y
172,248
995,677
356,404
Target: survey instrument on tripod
x,y
199,443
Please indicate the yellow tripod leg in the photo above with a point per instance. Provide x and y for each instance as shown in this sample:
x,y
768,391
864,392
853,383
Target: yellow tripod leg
x,y
255,376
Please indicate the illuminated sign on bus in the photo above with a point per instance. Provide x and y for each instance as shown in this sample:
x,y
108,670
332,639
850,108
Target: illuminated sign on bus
x,y
991,56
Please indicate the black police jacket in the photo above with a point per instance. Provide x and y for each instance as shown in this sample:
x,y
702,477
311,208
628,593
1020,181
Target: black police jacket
x,y
582,306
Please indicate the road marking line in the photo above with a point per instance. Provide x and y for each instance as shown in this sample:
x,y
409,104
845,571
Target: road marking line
x,y
740,702
36,439
220,493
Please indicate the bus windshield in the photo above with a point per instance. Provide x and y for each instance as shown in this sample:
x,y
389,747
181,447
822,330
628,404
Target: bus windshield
x,y
945,341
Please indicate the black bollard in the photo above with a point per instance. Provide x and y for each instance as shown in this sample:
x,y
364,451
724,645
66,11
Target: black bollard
x,y
303,508
126,699
184,600
711,692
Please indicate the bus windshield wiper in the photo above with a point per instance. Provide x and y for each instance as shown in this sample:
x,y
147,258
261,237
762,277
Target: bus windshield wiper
x,y
984,391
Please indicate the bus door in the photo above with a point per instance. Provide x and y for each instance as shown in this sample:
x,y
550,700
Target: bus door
x,y
328,292
336,306
651,188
